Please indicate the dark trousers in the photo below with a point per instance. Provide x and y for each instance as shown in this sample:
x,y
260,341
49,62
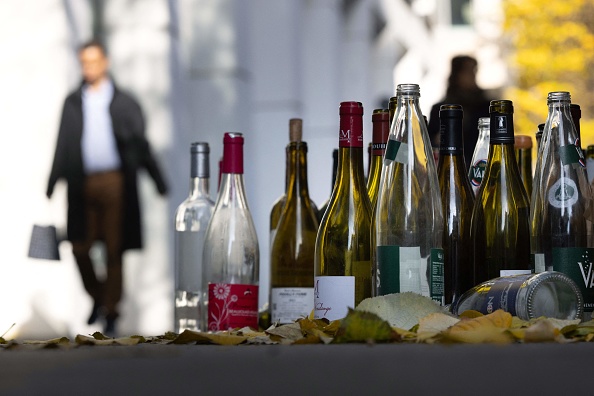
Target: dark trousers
x,y
104,198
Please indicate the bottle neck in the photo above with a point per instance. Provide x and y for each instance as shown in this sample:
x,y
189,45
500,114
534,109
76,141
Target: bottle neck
x,y
350,169
232,191
199,187
297,171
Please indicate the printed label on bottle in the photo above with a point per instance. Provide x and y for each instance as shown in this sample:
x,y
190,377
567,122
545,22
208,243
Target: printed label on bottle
x,y
333,295
396,151
347,138
502,295
571,154
232,306
436,275
378,148
577,264
289,304
563,194
477,171
401,269
538,262
504,272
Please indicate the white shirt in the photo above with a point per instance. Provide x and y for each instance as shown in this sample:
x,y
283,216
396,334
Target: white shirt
x,y
98,144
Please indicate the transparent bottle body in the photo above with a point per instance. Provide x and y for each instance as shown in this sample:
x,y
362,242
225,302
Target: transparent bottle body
x,y
558,220
478,163
191,220
548,294
231,253
408,215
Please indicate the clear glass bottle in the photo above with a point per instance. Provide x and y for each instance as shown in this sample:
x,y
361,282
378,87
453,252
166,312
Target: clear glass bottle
x,y
231,255
381,130
561,211
523,148
292,251
528,296
191,220
408,223
342,255
457,200
500,227
480,155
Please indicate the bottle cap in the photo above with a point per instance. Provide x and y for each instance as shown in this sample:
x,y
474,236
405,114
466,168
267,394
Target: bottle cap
x,y
522,142
232,153
295,129
199,166
450,129
351,124
501,114
381,130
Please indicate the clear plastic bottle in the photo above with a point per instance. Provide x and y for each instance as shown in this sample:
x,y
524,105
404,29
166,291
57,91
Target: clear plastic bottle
x,y
529,296
478,163
231,255
408,221
191,220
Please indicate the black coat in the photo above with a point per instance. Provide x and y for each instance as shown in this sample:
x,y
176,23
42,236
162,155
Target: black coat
x,y
134,151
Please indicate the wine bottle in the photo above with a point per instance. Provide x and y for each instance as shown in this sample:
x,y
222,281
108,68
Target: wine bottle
x,y
523,149
408,222
334,170
292,251
590,163
539,137
500,227
191,220
457,201
529,296
295,135
478,163
342,254
231,256
561,209
381,130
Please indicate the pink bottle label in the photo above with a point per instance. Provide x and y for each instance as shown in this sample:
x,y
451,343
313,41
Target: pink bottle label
x,y
232,306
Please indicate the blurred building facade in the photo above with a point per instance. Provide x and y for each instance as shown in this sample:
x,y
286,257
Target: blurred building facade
x,y
200,68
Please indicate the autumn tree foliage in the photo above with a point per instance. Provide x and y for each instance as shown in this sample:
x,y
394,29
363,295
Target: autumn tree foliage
x,y
550,47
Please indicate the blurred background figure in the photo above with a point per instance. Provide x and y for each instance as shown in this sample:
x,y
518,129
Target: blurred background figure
x,y
462,89
101,146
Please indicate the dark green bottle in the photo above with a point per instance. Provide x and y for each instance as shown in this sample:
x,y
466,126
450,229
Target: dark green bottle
x,y
457,201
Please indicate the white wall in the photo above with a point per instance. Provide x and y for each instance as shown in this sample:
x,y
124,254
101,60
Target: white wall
x,y
199,68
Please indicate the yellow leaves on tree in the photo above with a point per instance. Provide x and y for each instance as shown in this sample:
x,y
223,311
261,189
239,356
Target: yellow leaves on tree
x,y
550,48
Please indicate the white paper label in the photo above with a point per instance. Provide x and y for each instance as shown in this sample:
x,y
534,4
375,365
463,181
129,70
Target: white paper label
x,y
333,295
289,304
514,272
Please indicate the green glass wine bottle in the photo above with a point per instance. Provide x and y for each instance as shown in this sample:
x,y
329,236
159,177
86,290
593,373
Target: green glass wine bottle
x,y
408,221
292,251
342,255
500,227
523,148
457,201
381,130
561,211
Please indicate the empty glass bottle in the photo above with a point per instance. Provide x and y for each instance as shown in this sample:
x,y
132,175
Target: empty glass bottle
x,y
408,221
478,163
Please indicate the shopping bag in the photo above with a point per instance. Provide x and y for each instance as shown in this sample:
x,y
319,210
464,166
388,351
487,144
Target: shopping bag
x,y
44,243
